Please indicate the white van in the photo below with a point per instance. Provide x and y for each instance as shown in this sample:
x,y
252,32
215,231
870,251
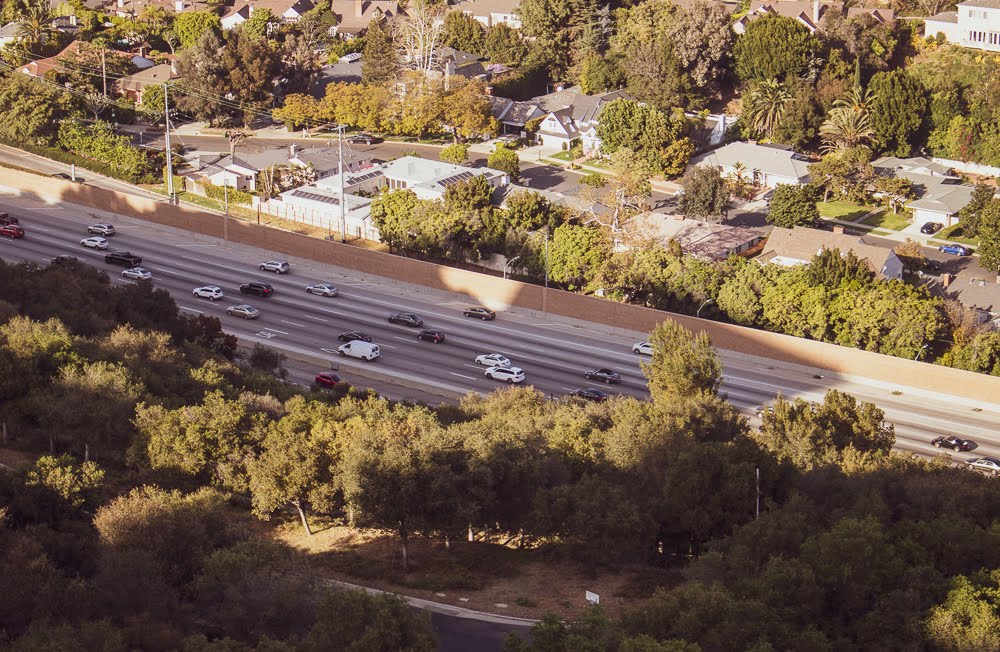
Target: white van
x,y
359,349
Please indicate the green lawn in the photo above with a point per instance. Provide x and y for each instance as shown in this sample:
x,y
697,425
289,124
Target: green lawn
x,y
562,156
842,210
598,163
955,234
888,220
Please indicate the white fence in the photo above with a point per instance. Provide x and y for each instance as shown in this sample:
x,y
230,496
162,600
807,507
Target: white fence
x,y
971,168
324,219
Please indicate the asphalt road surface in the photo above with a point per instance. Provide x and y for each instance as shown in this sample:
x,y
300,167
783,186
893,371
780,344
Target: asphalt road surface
x,y
553,353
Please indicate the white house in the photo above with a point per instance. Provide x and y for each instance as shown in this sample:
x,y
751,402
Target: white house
x,y
429,179
285,11
939,193
975,24
573,115
493,12
763,165
9,33
798,246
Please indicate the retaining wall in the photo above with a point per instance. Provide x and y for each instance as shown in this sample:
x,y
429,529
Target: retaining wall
x,y
498,292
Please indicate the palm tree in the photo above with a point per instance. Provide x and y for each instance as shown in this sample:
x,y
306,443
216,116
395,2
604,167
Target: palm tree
x,y
34,22
847,123
764,106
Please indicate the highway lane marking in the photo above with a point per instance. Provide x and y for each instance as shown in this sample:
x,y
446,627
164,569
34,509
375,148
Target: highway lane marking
x,y
388,346
38,228
192,310
275,330
316,318
462,375
405,339
208,262
291,323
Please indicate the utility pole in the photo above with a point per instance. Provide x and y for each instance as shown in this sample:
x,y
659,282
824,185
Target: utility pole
x,y
104,73
170,164
225,224
343,211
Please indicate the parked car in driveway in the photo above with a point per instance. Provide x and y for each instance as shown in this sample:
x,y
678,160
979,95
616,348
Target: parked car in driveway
x,y
350,336
257,288
955,250
137,273
405,319
604,375
276,266
480,312
509,375
244,310
493,360
989,464
95,243
211,292
590,394
645,348
930,228
431,335
101,228
12,231
952,442
323,289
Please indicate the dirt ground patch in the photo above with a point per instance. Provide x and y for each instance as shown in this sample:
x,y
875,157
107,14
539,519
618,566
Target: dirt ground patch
x,y
13,459
476,575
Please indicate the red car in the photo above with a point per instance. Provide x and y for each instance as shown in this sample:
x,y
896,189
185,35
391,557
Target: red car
x,y
327,379
11,231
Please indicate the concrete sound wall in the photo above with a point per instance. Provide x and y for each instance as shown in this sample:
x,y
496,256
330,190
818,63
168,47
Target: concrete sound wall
x,y
495,291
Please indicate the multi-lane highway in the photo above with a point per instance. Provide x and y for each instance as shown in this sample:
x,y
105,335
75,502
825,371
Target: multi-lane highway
x,y
553,353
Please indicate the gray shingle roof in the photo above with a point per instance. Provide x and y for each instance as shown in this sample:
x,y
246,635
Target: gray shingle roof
x,y
770,160
803,244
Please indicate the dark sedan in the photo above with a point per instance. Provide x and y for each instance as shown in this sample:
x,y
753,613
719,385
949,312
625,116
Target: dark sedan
x,y
431,335
480,312
257,289
350,336
604,375
930,228
590,394
405,319
953,442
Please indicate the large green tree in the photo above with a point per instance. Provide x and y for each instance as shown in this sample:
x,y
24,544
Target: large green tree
x,y
897,112
380,60
190,26
33,110
705,196
774,47
576,253
793,206
464,33
552,27
683,363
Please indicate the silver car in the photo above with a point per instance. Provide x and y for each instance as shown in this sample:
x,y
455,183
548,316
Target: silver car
x,y
276,266
989,464
138,273
644,348
493,360
243,310
323,289
94,243
208,292
101,228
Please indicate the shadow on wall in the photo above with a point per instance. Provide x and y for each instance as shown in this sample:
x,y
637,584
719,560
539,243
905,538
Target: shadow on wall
x,y
497,292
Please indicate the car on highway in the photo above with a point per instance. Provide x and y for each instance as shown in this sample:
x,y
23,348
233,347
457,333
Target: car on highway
x,y
212,292
138,273
95,243
952,442
323,289
955,250
761,410
66,260
123,258
101,228
326,379
590,394
431,335
367,351
405,319
12,231
493,360
7,218
257,288
364,139
604,375
276,266
479,312
930,228
350,336
244,310
644,348
509,375
989,464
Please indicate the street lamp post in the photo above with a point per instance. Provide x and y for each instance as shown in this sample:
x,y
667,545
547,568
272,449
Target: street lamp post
x,y
920,352
509,263
705,303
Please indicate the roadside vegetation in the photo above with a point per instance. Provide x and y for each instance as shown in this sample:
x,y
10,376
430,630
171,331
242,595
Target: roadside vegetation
x,y
152,447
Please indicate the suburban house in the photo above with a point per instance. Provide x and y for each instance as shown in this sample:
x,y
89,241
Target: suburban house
x,y
464,64
974,24
492,12
286,11
810,13
354,16
320,203
711,129
798,246
240,170
767,166
939,193
133,85
704,240
511,115
9,33
571,115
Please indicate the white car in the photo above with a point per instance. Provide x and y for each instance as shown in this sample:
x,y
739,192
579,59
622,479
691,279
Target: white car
x,y
509,375
493,360
208,292
989,464
243,310
323,289
95,243
101,228
644,348
276,266
138,273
